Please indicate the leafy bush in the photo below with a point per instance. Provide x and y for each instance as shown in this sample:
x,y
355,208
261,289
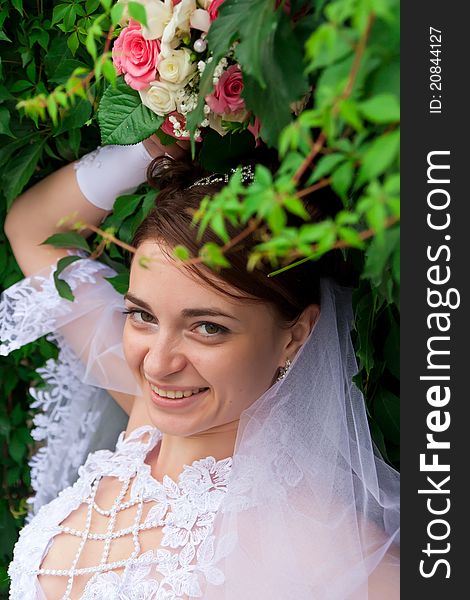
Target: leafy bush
x,y
54,70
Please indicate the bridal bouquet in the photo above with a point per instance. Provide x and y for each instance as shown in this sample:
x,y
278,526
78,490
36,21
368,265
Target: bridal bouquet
x,y
163,58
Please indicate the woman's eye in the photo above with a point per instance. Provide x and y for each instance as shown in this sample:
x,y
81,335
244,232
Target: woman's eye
x,y
210,329
139,316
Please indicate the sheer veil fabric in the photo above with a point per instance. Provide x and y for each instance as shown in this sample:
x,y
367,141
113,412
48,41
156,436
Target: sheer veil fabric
x,y
311,509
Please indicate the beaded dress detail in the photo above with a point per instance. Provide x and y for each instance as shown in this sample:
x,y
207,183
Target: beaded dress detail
x,y
183,513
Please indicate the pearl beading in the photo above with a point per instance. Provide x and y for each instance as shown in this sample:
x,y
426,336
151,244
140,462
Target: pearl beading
x,y
110,535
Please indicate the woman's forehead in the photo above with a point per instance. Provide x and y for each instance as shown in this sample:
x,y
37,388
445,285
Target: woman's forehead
x,y
163,270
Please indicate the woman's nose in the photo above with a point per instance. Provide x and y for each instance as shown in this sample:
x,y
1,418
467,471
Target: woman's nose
x,y
164,358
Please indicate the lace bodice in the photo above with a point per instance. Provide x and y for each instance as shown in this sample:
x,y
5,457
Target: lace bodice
x,y
178,567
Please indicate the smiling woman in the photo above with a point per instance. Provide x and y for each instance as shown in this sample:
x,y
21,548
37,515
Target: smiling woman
x,y
247,468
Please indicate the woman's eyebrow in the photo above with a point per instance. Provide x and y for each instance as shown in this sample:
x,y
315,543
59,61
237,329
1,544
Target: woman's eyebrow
x,y
186,312
135,300
203,312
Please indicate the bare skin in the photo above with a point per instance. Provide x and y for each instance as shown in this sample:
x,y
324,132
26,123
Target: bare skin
x,y
35,216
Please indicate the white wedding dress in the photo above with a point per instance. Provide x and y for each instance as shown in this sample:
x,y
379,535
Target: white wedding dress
x,y
305,509
185,510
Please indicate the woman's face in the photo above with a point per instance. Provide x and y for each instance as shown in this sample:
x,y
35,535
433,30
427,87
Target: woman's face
x,y
183,336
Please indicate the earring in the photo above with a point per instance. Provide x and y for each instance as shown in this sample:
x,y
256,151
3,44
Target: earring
x,y
283,370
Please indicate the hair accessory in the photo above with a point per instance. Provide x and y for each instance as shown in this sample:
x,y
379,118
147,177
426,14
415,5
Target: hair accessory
x,y
283,370
247,175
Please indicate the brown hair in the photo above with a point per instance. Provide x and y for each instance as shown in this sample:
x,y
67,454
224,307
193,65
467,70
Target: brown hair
x,y
169,224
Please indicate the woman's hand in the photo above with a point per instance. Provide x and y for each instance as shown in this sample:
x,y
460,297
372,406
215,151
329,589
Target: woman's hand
x,y
155,148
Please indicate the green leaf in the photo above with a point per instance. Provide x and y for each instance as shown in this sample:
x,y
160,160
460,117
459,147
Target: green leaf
x,y
59,62
325,165
351,237
342,179
276,219
383,108
52,109
58,13
125,205
92,5
17,448
5,122
387,414
378,255
137,12
325,47
75,116
379,156
116,13
73,43
71,239
212,256
364,325
109,72
122,117
18,4
20,86
348,110
378,438
284,84
181,252
69,17
217,225
90,45
63,289
4,37
64,262
295,206
314,232
119,282
20,170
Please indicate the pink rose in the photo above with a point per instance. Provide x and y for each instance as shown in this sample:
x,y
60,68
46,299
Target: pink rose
x,y
135,57
214,9
227,94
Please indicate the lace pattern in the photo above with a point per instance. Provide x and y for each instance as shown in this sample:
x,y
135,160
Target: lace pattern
x,y
29,308
186,560
69,411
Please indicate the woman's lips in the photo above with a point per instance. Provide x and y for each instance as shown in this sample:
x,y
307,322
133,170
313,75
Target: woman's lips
x,y
176,402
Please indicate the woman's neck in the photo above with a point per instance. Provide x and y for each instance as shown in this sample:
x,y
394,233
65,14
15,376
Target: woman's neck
x,y
174,452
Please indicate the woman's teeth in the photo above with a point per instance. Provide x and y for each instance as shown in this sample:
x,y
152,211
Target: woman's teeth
x,y
176,393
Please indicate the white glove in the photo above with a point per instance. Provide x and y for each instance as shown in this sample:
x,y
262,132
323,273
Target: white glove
x,y
111,171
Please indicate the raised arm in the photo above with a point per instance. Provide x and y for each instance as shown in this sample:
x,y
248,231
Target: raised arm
x,y
86,195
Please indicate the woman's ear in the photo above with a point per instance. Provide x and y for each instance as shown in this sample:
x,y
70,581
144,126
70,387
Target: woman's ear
x,y
301,329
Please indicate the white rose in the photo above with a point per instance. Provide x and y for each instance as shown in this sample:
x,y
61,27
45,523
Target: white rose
x,y
177,66
179,22
201,20
159,97
158,16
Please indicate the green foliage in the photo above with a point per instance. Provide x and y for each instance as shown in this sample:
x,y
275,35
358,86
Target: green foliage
x,y
339,58
139,122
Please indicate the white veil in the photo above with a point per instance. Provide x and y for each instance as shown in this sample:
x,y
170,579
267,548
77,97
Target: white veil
x,y
311,509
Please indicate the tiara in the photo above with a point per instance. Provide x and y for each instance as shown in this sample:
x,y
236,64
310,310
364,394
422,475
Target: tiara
x,y
246,171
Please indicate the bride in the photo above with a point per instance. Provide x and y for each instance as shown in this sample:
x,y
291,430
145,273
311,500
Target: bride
x,y
246,469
